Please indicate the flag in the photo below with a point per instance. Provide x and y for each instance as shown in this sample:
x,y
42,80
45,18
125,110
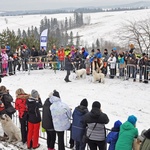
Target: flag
x,y
43,39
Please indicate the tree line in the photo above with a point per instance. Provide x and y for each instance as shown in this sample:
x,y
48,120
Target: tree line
x,y
58,33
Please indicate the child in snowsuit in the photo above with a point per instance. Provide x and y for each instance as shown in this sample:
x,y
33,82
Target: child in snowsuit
x,y
112,137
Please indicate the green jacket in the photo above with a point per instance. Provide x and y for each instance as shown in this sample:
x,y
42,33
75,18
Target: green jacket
x,y
145,145
126,136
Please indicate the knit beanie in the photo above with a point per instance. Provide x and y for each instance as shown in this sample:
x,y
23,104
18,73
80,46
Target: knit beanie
x,y
132,119
56,93
84,102
96,104
142,136
34,94
117,124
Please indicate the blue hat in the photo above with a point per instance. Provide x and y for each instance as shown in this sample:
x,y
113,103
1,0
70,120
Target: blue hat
x,y
117,124
114,48
132,119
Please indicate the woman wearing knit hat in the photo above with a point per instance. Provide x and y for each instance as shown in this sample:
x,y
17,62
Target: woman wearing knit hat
x,y
34,119
78,128
95,121
127,134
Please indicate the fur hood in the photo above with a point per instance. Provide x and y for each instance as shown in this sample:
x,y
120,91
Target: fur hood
x,y
23,96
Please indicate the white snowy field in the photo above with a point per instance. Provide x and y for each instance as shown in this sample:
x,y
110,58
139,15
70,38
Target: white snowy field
x,y
102,25
118,98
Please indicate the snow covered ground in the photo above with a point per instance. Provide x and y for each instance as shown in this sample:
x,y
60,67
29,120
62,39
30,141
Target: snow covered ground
x,y
118,98
103,25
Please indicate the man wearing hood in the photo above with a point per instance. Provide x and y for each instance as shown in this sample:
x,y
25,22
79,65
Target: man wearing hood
x,y
61,115
78,128
127,134
95,121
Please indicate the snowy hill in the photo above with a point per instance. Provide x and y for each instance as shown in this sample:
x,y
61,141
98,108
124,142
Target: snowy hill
x,y
102,25
136,4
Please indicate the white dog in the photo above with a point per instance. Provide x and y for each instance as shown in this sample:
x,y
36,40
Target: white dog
x,y
80,73
98,77
10,129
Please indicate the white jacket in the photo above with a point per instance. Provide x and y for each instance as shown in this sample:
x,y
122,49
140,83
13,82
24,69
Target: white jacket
x,y
61,114
112,62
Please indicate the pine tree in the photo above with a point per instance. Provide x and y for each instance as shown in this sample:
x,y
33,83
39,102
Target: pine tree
x,y
97,44
78,40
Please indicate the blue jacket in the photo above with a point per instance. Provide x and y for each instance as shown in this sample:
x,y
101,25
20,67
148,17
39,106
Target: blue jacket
x,y
78,128
112,138
85,54
121,60
98,55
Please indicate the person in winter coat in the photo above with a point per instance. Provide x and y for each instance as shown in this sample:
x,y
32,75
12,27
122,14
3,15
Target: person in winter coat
x,y
68,67
146,142
84,54
105,63
112,63
20,105
61,115
127,134
95,121
78,128
25,56
47,124
34,119
7,100
112,137
61,57
121,63
4,61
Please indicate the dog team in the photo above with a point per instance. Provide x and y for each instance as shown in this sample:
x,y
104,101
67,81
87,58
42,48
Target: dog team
x,y
88,127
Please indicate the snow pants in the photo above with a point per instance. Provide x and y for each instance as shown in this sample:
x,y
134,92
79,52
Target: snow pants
x,y
33,135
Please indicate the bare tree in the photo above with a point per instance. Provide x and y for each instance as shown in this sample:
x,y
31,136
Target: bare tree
x,y
137,33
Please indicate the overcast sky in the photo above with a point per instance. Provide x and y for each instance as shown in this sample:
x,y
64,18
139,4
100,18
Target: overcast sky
x,y
6,5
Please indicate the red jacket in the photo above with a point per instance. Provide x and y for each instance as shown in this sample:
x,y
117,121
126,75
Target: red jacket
x,y
20,104
61,54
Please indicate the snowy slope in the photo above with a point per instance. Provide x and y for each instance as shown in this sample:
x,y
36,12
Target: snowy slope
x,y
103,25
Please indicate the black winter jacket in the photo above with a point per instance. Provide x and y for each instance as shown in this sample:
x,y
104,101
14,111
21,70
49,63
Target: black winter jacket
x,y
47,122
7,99
68,64
33,106
96,116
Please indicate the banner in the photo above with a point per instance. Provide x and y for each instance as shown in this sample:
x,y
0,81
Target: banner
x,y
43,39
